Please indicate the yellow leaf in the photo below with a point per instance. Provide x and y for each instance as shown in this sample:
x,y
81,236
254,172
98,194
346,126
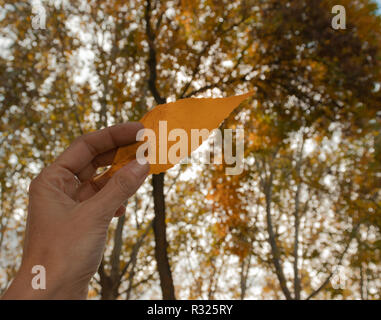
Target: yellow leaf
x,y
185,114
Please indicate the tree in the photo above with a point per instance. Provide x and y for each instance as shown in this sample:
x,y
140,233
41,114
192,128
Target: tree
x,y
102,62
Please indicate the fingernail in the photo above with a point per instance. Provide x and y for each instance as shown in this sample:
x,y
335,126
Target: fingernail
x,y
140,169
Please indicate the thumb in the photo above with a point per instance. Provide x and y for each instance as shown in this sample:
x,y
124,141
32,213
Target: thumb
x,y
123,184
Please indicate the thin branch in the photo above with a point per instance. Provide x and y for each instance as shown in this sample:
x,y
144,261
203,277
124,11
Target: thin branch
x,y
115,254
135,249
297,285
218,84
326,281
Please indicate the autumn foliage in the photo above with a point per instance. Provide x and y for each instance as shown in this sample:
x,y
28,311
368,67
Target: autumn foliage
x,y
302,221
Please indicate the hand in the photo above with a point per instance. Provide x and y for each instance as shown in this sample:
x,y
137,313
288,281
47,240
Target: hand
x,y
69,214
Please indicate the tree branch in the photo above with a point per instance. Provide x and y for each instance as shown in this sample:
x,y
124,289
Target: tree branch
x,y
297,285
272,239
326,281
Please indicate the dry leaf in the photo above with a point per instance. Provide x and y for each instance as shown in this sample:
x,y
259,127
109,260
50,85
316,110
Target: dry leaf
x,y
186,114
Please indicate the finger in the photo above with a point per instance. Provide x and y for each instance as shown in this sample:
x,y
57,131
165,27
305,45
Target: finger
x,y
122,185
87,147
101,160
90,187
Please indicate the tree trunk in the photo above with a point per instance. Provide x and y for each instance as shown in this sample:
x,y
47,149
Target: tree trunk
x,y
161,244
244,274
159,226
109,290
108,293
272,240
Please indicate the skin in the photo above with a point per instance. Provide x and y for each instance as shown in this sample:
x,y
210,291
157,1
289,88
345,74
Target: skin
x,y
69,214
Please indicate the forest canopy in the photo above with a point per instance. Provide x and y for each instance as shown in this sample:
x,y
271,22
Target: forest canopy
x,y
303,219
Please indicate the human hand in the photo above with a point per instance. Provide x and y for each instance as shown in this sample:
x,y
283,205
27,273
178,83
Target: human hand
x,y
69,214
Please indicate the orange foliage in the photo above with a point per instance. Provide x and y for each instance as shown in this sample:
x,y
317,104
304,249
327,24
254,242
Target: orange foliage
x,y
186,114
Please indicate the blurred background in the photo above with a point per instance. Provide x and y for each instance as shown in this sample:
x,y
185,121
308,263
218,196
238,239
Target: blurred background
x,y
301,222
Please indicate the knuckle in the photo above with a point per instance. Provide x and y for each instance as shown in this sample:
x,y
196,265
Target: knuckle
x,y
78,139
45,178
46,173
35,184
